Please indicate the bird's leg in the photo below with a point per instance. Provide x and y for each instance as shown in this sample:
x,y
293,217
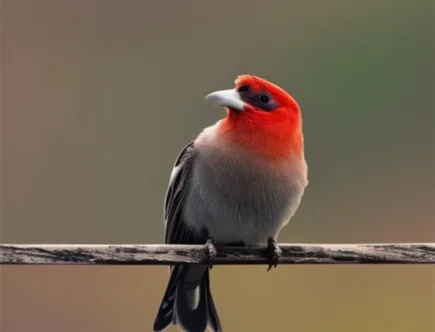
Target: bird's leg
x,y
212,252
273,252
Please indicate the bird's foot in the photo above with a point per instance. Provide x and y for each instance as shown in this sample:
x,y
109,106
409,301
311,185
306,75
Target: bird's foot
x,y
212,252
273,253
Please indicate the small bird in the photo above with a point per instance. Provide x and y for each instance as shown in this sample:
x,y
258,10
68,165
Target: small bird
x,y
238,183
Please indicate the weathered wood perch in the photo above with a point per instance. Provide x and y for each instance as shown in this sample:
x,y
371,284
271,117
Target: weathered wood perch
x,y
156,254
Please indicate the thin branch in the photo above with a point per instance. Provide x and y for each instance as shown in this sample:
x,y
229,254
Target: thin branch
x,y
149,254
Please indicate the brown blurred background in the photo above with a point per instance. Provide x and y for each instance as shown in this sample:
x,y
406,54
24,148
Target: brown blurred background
x,y
98,97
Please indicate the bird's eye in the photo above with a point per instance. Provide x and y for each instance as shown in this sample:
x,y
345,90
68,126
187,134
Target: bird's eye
x,y
261,100
264,99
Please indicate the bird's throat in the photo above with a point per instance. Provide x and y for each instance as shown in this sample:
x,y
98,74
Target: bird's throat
x,y
275,140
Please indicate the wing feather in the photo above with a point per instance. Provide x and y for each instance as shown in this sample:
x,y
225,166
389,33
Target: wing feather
x,y
176,228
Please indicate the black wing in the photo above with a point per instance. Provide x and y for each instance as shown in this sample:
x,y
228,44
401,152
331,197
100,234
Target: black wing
x,y
176,229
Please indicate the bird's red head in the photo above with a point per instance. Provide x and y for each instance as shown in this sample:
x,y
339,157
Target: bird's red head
x,y
261,117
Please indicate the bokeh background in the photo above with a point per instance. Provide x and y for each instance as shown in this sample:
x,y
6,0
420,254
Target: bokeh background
x,y
98,97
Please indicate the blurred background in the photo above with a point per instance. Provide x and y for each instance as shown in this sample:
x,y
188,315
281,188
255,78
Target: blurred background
x,y
98,98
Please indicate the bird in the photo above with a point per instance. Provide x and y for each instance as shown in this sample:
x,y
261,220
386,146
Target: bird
x,y
237,184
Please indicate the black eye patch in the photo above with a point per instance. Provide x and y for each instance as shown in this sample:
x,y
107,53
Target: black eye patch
x,y
262,100
243,88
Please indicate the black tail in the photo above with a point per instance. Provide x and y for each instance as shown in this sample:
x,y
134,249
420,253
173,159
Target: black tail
x,y
188,301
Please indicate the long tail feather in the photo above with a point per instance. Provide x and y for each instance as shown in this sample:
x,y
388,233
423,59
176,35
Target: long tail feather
x,y
188,301
166,312
213,317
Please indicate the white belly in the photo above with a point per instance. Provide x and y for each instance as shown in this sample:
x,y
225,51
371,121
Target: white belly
x,y
237,200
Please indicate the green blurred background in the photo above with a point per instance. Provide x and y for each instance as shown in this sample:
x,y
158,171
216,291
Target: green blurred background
x,y
98,97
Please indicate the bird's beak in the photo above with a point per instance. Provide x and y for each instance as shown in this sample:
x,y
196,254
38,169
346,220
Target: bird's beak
x,y
228,98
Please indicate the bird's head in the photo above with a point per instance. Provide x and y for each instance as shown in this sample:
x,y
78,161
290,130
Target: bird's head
x,y
261,117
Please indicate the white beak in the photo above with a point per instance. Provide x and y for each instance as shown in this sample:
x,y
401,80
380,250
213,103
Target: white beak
x,y
228,98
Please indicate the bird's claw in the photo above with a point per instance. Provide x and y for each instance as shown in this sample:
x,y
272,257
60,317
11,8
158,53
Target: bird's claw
x,y
273,253
212,252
